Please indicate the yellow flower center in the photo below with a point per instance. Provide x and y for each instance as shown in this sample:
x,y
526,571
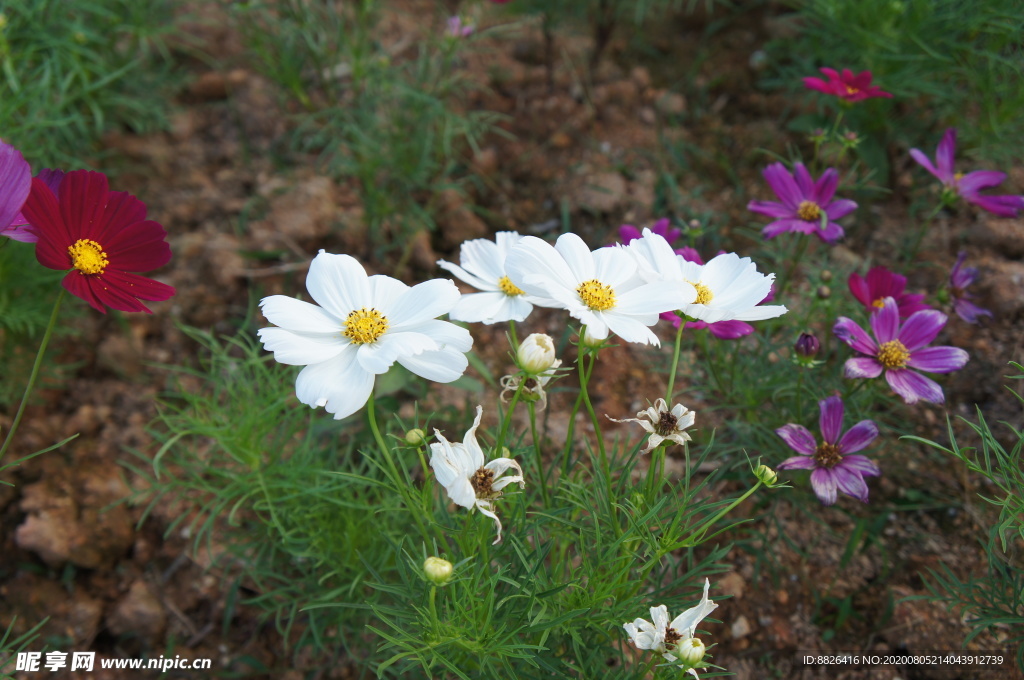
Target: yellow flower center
x,y
851,90
364,326
958,176
879,303
893,354
509,288
596,295
827,455
88,256
808,211
704,294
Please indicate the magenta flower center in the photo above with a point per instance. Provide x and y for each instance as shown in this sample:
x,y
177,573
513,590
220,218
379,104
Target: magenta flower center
x,y
364,326
88,257
808,211
893,354
827,455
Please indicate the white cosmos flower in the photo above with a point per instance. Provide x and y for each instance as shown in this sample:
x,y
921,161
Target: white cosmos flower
x,y
663,637
729,287
483,267
600,288
364,324
663,423
460,469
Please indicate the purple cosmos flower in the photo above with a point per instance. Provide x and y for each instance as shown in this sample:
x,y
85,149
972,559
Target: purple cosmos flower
x,y
15,184
664,228
959,278
456,29
899,349
807,206
880,284
968,186
846,86
833,466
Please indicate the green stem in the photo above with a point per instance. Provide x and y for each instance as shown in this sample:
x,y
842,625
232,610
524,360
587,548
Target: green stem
x,y
912,251
512,336
434,624
507,420
537,455
675,363
34,375
699,533
801,246
590,407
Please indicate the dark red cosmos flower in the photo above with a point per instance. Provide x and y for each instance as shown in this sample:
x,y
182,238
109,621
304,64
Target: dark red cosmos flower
x,y
101,236
846,86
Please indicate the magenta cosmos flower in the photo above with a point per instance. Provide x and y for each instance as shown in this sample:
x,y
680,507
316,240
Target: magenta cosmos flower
x,y
900,351
846,86
969,186
832,465
663,228
100,236
807,206
881,283
15,183
959,278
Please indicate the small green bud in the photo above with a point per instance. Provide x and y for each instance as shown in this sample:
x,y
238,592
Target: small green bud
x,y
690,651
766,475
437,570
415,437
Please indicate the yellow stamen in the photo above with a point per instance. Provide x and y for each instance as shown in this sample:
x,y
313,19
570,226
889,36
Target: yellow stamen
x,y
851,90
827,455
364,326
704,294
808,211
879,303
893,354
596,295
509,288
88,256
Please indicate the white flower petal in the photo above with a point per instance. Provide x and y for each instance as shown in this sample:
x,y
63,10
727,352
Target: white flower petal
x,y
378,357
447,335
537,268
686,623
615,267
629,328
577,257
655,298
475,281
485,509
340,385
423,301
338,283
296,315
473,450
443,366
482,258
301,349
490,308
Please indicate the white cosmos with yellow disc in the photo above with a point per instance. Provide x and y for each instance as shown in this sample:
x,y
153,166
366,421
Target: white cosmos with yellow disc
x,y
362,326
601,288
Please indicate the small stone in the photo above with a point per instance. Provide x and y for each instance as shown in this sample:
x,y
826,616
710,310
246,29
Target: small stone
x,y
641,77
210,86
561,140
603,192
138,612
671,104
648,116
456,221
740,627
732,584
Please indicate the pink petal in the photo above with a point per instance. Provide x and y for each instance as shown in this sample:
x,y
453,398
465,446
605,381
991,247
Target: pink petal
x,y
824,484
783,184
797,463
921,328
853,335
850,483
830,420
973,182
914,386
945,155
769,208
798,437
926,163
825,188
858,437
938,359
886,323
861,464
862,367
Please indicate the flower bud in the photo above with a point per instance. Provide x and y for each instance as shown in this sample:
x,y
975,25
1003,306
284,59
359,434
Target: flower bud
x,y
826,275
415,437
807,346
437,570
587,340
536,354
690,651
766,476
824,292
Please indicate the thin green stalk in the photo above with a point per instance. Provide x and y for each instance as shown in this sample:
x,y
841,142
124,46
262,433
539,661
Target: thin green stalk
x,y
699,533
512,336
537,455
797,255
675,363
507,420
912,252
34,375
590,407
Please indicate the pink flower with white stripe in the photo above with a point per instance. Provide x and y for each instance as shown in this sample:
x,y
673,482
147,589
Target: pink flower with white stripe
x,y
901,351
833,466
807,207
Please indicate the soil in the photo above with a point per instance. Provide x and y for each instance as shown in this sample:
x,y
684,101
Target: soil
x,y
72,550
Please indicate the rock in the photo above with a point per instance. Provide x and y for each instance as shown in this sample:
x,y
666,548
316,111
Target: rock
x,y
1006,283
138,613
456,221
48,535
561,140
641,77
120,355
671,104
301,211
224,250
1002,236
740,627
732,584
603,192
210,86
421,253
485,161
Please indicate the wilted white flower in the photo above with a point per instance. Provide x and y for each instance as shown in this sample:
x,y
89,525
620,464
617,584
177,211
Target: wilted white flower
x,y
536,354
460,469
675,640
483,267
533,386
663,424
729,287
364,324
600,288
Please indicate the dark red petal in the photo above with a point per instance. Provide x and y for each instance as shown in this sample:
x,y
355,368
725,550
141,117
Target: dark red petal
x,y
122,210
43,212
83,200
138,247
79,285
138,286
113,293
50,254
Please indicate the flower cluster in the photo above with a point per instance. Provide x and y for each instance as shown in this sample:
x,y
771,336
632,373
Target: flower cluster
x,y
675,640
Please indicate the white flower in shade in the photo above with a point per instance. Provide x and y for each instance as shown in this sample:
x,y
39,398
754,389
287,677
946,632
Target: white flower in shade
x,y
729,287
483,267
676,641
536,354
663,424
600,288
460,469
364,324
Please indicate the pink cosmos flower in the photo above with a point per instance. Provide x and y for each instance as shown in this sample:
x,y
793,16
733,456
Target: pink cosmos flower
x,y
900,351
880,284
849,87
968,186
457,29
807,206
15,183
833,466
664,228
959,278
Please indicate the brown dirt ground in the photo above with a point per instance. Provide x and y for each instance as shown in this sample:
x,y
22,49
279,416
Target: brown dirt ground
x,y
70,552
